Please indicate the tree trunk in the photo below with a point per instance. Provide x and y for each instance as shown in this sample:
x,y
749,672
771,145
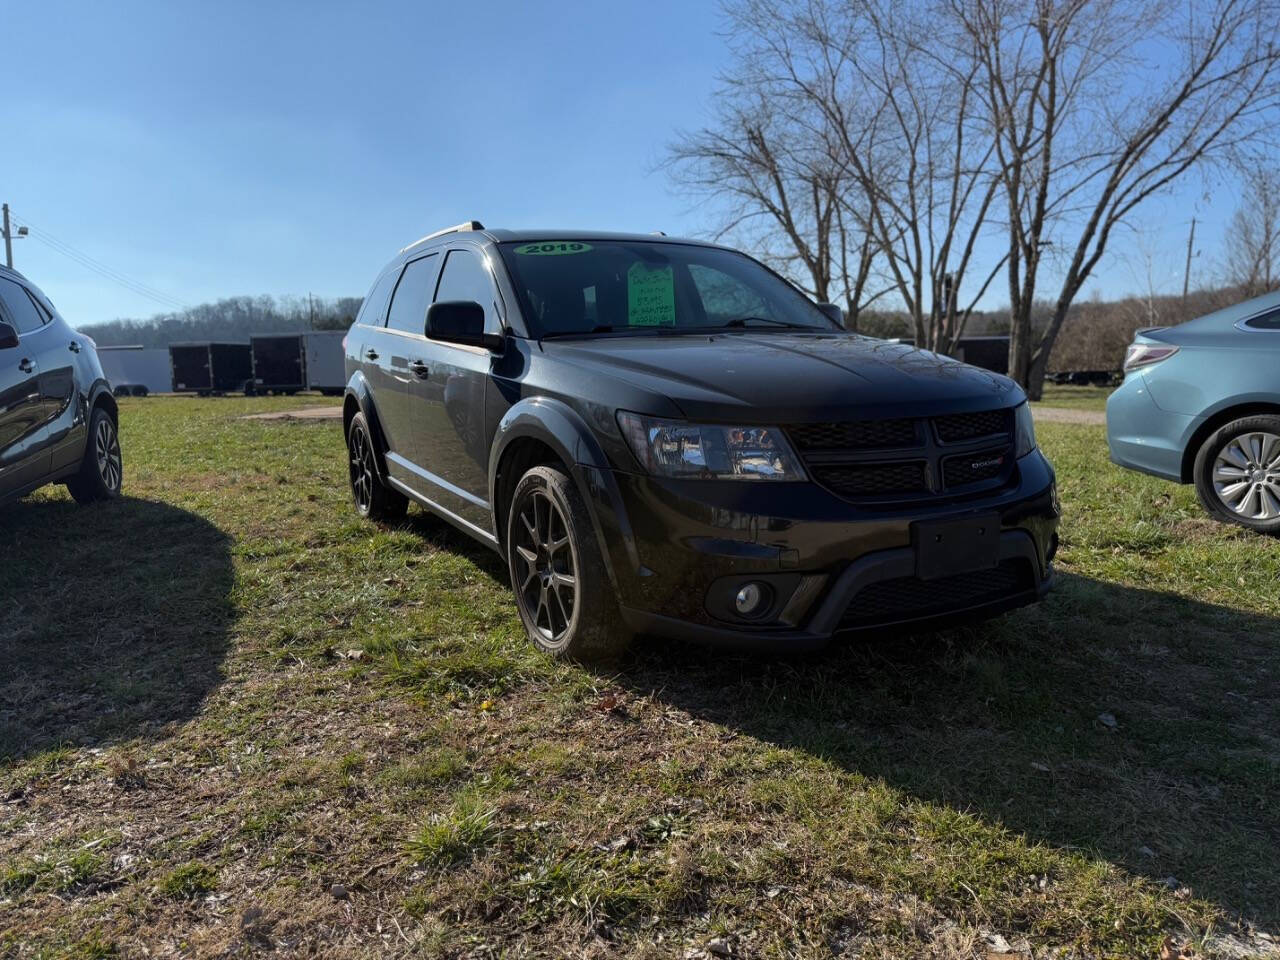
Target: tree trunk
x,y
1020,349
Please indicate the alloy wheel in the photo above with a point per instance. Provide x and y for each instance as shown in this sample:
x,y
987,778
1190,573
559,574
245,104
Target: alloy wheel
x,y
546,566
362,478
107,448
1246,476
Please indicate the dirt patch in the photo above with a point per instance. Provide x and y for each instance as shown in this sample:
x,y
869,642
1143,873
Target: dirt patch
x,y
307,413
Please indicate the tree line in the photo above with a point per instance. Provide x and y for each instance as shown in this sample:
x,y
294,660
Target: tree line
x,y
232,318
924,152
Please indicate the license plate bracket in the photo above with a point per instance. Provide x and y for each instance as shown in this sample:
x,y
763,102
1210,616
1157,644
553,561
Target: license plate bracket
x,y
945,548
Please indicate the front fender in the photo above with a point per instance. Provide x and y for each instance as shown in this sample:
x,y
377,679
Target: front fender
x,y
562,428
358,389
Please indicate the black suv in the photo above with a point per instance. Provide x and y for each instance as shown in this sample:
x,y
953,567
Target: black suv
x,y
58,420
664,436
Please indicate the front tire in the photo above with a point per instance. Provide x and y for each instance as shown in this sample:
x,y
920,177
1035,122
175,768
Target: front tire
x,y
372,499
102,468
1237,474
563,592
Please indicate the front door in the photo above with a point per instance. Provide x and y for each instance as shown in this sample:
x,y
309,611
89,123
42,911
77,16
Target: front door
x,y
450,446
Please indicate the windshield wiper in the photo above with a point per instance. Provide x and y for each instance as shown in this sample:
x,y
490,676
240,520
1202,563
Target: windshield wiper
x,y
598,328
743,321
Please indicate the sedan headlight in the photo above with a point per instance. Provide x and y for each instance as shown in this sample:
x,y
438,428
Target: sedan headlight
x,y
1024,431
674,448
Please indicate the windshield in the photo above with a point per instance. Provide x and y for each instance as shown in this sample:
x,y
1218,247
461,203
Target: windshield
x,y
570,287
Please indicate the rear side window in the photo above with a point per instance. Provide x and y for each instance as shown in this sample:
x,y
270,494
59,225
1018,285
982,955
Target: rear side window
x,y
373,312
464,277
1264,321
21,308
413,294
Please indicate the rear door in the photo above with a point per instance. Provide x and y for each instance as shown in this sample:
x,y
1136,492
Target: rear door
x,y
24,434
395,346
450,446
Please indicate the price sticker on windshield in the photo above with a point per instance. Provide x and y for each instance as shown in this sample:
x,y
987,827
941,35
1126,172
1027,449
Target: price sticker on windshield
x,y
552,249
651,296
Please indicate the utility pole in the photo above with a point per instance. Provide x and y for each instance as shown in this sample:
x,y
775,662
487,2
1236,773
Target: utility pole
x,y
8,241
311,310
1186,276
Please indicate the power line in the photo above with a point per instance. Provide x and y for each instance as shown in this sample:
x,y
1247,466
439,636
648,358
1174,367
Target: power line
x,y
104,271
101,269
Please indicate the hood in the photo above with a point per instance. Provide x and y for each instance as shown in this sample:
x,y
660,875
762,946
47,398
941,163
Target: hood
x,y
789,377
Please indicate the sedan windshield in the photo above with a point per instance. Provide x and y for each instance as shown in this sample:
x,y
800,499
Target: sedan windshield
x,y
579,287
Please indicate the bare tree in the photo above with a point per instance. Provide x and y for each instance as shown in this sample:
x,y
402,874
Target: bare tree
x,y
1253,236
780,189
892,133
1096,105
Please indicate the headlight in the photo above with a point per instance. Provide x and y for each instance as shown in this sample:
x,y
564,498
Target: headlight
x,y
1024,431
673,448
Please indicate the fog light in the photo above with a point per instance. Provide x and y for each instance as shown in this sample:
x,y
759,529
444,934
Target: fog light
x,y
750,599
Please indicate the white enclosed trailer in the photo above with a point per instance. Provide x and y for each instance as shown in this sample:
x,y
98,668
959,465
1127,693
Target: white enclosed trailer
x,y
136,370
326,360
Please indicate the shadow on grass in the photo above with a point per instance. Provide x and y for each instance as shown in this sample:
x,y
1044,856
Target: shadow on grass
x,y
443,535
114,621
1136,726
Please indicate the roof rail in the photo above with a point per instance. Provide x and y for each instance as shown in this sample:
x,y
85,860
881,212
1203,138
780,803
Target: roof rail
x,y
458,228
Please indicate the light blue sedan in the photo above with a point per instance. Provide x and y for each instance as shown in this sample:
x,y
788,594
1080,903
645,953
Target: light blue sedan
x,y
1200,404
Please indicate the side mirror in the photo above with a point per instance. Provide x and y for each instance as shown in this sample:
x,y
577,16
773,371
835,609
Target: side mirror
x,y
833,312
8,336
462,322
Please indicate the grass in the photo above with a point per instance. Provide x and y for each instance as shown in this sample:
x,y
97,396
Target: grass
x,y
1073,397
234,717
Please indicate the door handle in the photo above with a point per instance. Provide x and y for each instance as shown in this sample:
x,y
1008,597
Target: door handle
x,y
25,365
371,353
421,369
74,346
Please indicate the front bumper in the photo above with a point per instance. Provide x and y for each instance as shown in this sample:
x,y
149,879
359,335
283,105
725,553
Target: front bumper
x,y
675,546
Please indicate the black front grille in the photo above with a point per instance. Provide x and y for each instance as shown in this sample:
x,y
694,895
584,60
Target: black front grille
x,y
855,435
874,479
910,598
903,459
970,426
974,467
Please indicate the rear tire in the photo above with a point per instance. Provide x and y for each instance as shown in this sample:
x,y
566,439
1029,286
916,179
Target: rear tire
x,y
1237,474
563,592
372,498
102,468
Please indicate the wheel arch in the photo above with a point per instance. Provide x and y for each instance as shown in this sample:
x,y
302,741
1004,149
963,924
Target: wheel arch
x,y
1216,421
100,396
358,398
538,427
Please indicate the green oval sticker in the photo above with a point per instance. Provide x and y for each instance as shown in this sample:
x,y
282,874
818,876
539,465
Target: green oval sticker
x,y
552,249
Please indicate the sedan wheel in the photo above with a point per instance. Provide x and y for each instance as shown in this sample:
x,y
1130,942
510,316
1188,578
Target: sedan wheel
x,y
1237,473
1246,476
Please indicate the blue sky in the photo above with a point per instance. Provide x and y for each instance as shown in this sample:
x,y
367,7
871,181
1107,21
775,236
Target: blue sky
x,y
207,150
